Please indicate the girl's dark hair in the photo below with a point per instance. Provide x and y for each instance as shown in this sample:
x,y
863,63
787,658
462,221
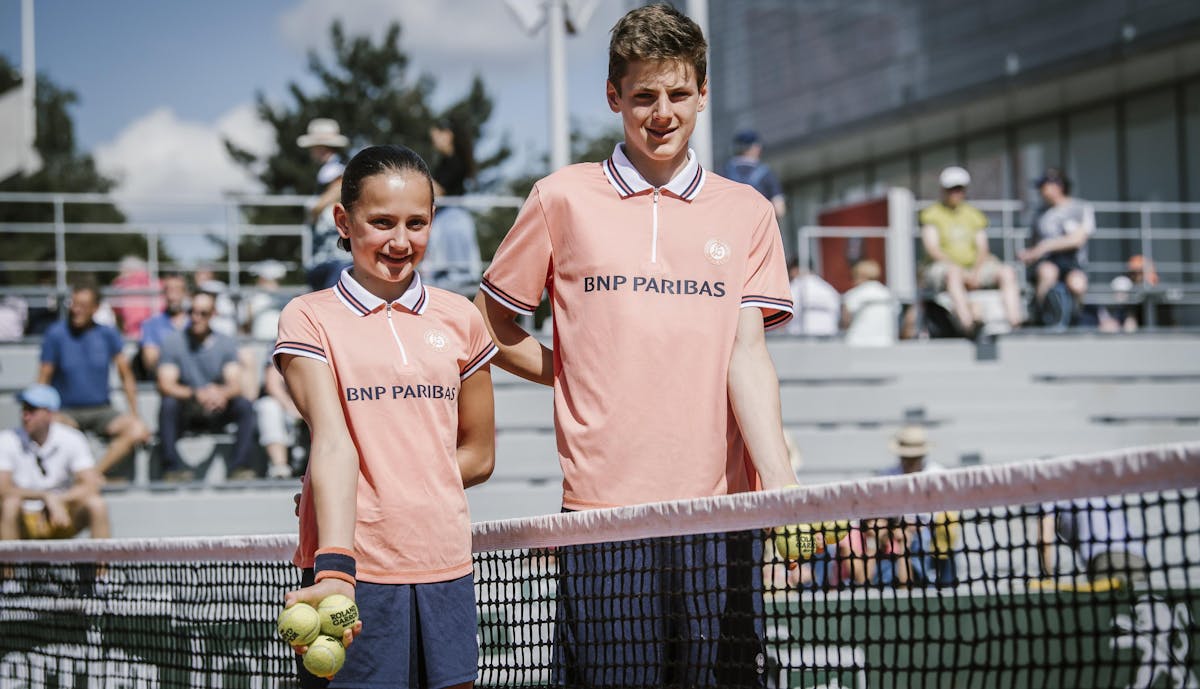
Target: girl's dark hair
x,y
377,160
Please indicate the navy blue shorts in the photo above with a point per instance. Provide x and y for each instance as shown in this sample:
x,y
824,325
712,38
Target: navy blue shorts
x,y
679,611
414,635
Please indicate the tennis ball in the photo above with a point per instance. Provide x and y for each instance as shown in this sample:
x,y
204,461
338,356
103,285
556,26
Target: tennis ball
x,y
299,624
338,613
794,542
325,656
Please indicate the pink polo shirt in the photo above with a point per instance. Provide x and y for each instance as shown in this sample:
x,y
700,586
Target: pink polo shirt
x,y
398,368
646,286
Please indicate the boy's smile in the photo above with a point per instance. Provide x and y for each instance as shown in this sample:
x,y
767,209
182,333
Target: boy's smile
x,y
658,102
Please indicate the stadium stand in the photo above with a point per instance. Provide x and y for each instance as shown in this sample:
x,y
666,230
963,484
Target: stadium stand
x,y
1042,396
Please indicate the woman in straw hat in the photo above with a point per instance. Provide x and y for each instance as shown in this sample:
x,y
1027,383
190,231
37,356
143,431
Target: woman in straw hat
x,y
325,141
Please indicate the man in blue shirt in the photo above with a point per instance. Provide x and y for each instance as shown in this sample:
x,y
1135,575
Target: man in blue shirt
x,y
747,167
76,357
199,378
173,318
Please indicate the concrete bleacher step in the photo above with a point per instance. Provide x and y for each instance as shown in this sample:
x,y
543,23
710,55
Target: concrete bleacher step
x,y
18,365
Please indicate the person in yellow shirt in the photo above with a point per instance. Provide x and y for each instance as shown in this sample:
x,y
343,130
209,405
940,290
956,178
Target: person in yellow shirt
x,y
955,240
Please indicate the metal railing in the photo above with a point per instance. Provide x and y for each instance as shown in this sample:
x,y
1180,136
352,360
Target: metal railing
x,y
224,219
1012,231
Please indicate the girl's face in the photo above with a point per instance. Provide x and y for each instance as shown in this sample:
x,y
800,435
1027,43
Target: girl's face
x,y
388,227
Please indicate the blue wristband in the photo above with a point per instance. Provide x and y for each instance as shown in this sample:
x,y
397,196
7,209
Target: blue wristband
x,y
335,562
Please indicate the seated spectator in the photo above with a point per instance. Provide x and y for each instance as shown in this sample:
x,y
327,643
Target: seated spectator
x,y
870,312
1058,250
134,300
278,421
77,355
452,256
1097,533
224,320
260,310
954,234
49,485
172,319
200,380
1128,290
14,314
818,305
915,549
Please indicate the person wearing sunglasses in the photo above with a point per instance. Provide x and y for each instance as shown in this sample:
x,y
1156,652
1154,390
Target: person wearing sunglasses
x,y
49,484
199,378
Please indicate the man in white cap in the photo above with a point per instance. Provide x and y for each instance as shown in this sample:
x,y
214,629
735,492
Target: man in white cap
x,y
49,484
325,141
956,247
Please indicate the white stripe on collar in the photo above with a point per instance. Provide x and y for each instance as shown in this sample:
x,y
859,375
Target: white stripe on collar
x,y
356,297
626,179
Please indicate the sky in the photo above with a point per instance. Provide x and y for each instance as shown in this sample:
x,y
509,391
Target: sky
x,y
160,83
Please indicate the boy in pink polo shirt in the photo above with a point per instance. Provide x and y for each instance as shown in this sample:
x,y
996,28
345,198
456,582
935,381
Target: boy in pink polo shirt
x,y
392,378
662,278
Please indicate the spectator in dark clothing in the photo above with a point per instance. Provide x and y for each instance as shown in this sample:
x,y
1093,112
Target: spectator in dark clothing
x,y
747,167
200,380
452,257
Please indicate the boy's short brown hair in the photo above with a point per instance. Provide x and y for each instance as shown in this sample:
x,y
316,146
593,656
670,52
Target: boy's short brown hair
x,y
656,32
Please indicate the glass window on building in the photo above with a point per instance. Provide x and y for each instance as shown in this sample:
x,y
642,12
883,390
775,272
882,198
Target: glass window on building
x,y
1038,147
893,172
1093,165
930,164
804,202
1153,169
1191,159
988,162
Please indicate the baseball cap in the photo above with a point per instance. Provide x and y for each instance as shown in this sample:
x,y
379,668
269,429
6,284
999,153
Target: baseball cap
x,y
40,396
746,137
954,176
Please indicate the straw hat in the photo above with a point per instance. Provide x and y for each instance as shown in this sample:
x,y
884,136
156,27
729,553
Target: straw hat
x,y
910,442
323,131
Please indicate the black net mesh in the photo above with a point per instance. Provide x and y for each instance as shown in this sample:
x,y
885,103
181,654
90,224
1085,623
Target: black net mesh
x,y
1084,592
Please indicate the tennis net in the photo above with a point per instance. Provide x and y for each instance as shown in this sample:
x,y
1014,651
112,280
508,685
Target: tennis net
x,y
1073,572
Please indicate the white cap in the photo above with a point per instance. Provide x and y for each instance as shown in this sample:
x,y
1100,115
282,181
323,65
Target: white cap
x,y
954,176
269,269
1122,283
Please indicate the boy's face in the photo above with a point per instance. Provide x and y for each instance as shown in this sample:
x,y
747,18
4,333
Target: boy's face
x,y
658,103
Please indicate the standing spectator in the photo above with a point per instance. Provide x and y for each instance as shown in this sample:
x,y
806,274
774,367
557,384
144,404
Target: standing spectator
x,y
954,234
134,300
261,308
172,319
452,258
1058,252
1096,531
200,380
278,421
77,355
49,485
917,548
870,312
818,305
325,142
747,167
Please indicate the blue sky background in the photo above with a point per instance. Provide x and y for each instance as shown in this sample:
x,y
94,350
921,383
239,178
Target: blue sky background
x,y
159,82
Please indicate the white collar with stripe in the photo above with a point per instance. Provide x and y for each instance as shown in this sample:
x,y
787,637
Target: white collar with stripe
x,y
626,179
356,297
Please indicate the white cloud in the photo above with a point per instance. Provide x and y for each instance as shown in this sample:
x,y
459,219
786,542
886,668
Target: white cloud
x,y
159,155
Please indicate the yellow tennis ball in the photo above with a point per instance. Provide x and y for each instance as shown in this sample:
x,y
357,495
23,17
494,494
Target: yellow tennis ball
x,y
794,542
299,624
338,613
325,656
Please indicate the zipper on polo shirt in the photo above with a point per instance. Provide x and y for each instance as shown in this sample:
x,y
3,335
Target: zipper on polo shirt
x,y
654,231
395,335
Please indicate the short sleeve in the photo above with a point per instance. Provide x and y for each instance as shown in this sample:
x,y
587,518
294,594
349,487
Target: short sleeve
x,y
926,216
299,334
172,349
8,450
112,339
772,186
766,284
981,220
521,268
51,347
480,348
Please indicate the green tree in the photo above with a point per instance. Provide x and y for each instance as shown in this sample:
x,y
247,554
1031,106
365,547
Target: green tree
x,y
367,87
64,169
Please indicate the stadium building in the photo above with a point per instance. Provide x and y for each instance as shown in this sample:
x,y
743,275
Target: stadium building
x,y
852,98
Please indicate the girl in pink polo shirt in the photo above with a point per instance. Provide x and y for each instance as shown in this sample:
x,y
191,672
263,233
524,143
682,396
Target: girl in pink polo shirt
x,y
392,378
